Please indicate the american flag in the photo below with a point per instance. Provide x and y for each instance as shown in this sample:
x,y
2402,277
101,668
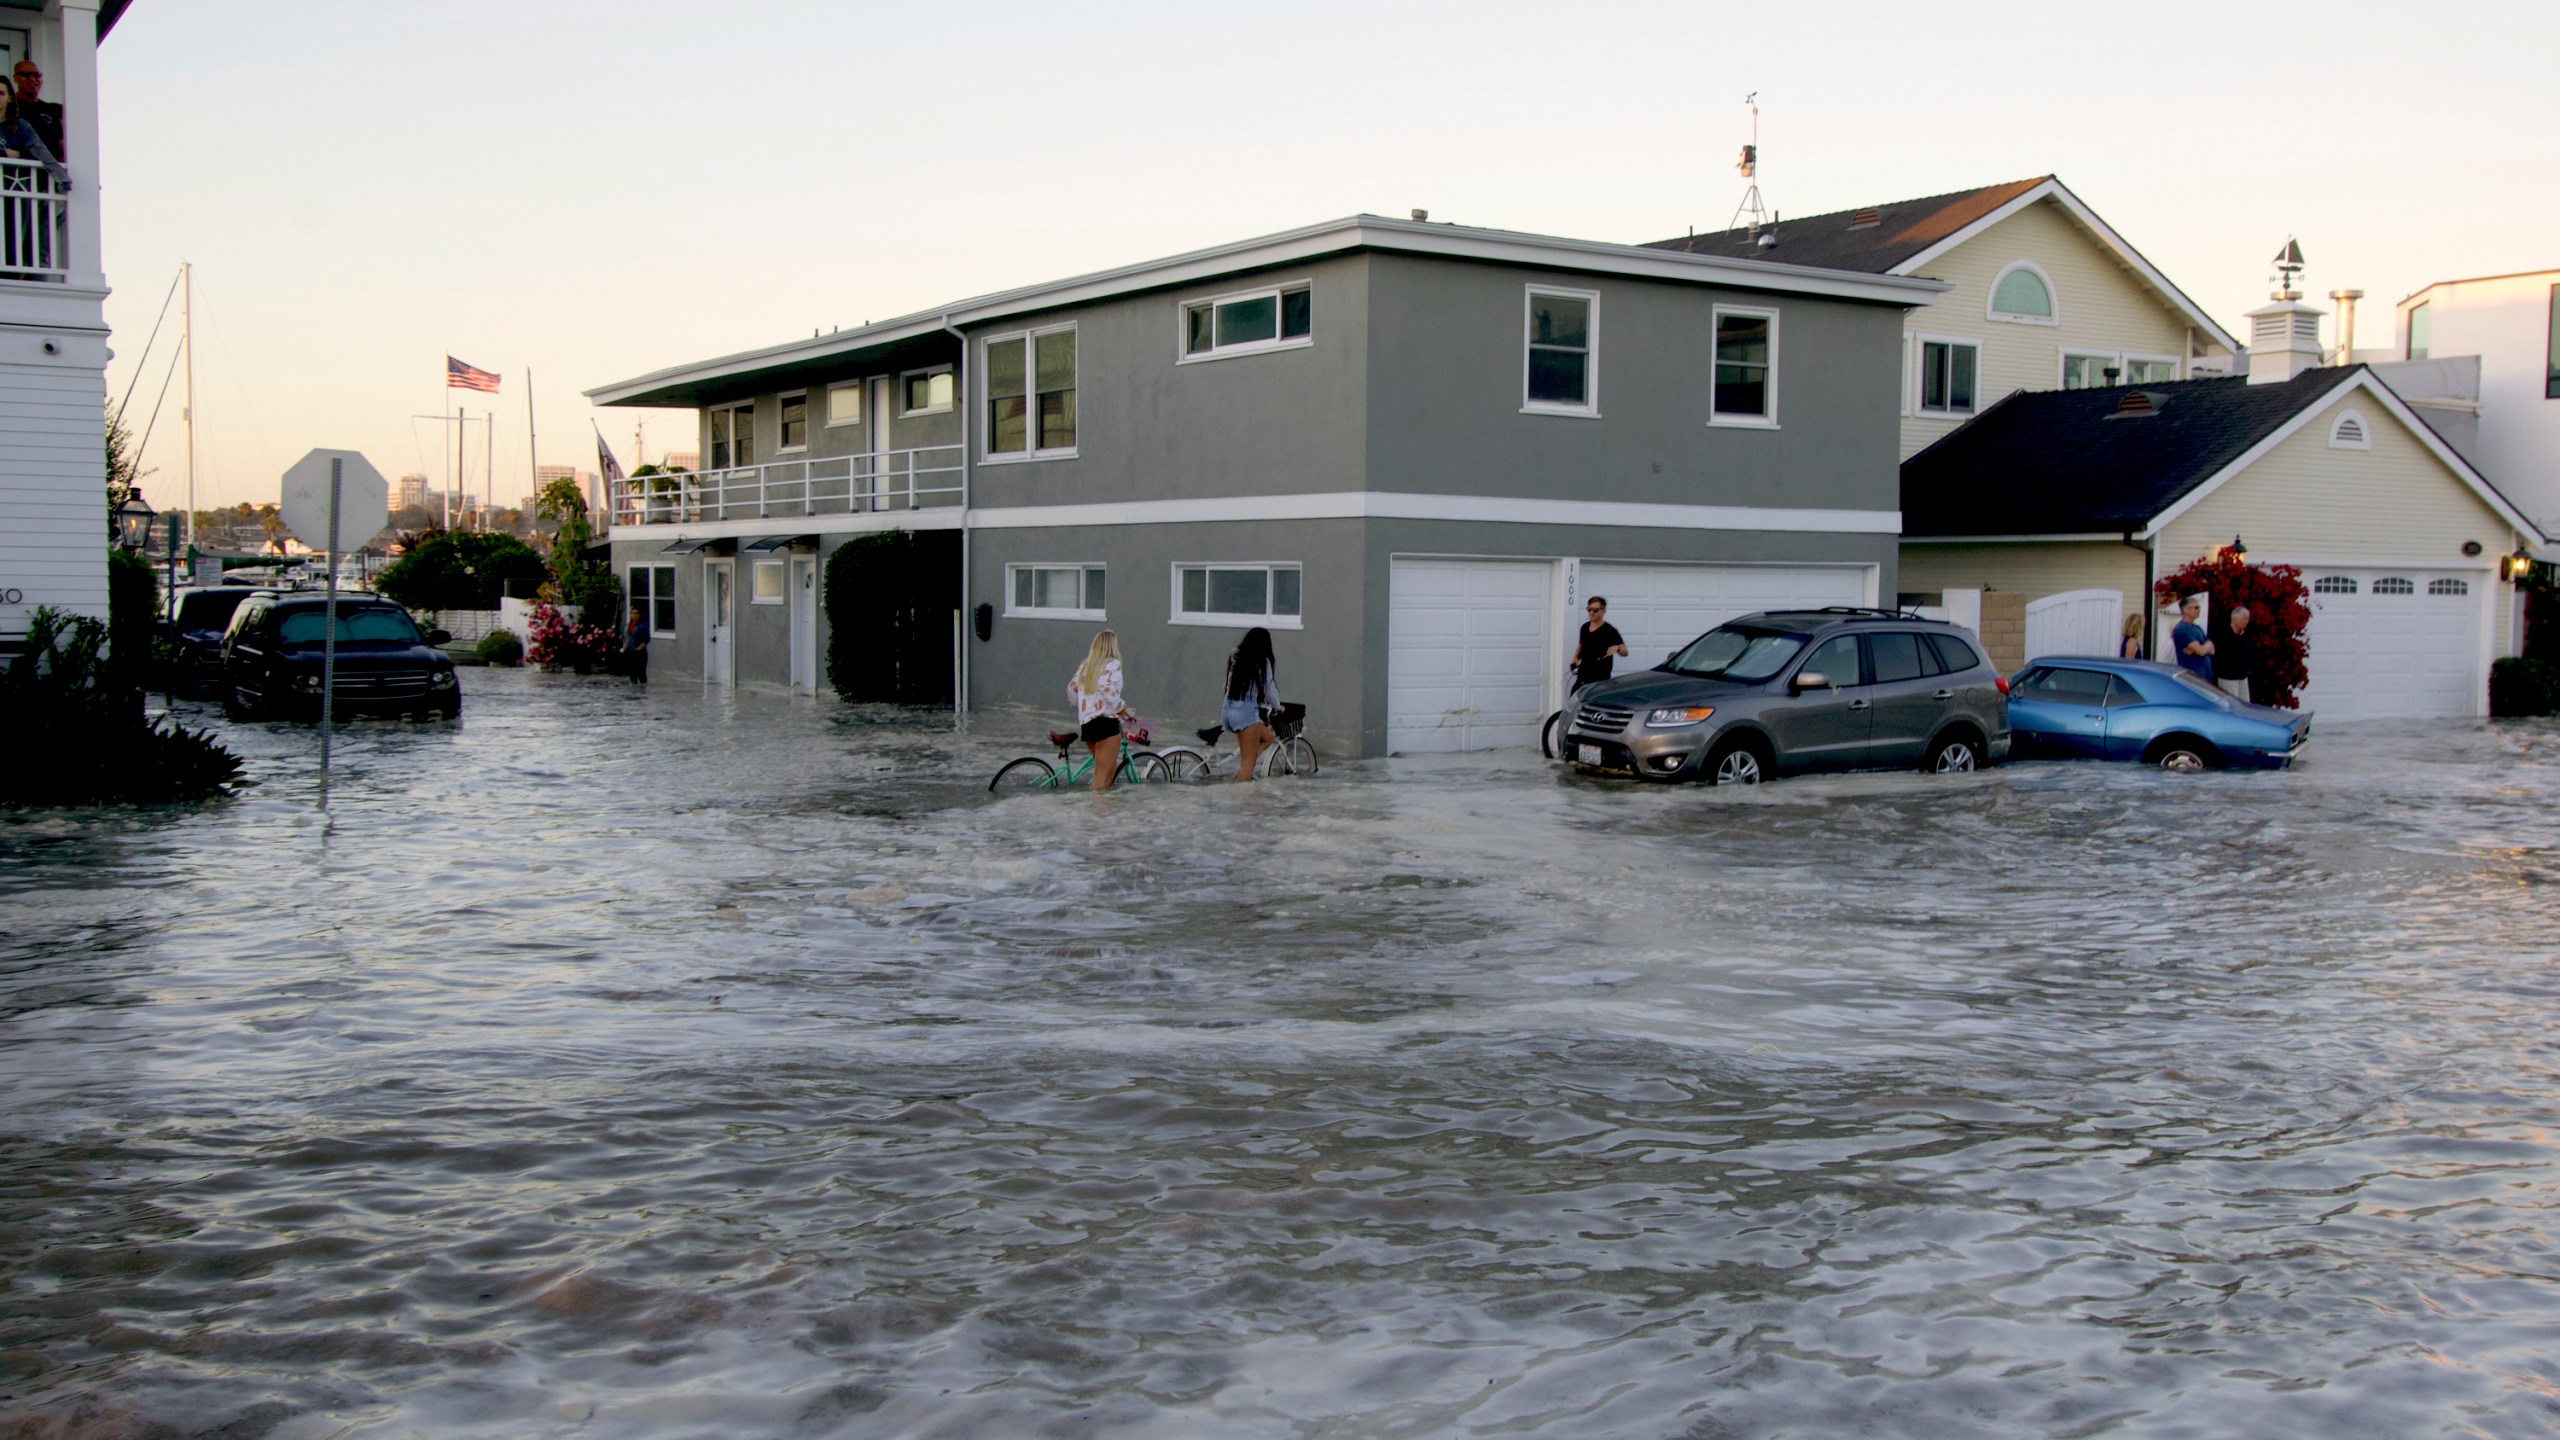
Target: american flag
x,y
609,467
458,376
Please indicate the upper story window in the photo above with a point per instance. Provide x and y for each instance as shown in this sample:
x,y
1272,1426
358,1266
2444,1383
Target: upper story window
x,y
1950,376
2088,371
2421,329
795,423
1745,384
1031,393
1561,376
2149,370
924,392
733,435
1282,317
2022,293
844,403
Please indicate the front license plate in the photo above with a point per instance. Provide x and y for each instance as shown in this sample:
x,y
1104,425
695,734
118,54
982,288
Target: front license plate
x,y
1588,754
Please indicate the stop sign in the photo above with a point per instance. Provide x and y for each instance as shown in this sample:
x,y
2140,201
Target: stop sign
x,y
364,500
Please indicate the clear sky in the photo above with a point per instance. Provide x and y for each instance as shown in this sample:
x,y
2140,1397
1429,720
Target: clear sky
x,y
597,190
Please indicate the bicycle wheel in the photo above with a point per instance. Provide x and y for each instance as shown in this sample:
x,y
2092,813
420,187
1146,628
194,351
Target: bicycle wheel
x,y
1145,767
1297,757
1185,766
1028,773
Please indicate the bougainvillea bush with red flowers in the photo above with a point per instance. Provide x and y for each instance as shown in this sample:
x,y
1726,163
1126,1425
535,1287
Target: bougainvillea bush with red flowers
x,y
560,643
2279,611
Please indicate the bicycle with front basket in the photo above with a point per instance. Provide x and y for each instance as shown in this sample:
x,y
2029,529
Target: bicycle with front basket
x,y
1289,754
1138,766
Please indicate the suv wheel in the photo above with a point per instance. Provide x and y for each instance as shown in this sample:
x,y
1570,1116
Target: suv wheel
x,y
1954,755
1736,762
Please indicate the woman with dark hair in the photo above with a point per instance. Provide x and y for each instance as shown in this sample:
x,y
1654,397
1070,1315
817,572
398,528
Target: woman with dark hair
x,y
1252,690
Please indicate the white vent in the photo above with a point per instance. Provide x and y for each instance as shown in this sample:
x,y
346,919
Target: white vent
x,y
2349,433
2266,331
2306,328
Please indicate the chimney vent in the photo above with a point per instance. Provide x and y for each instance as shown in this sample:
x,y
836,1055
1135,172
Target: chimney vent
x,y
1866,219
2137,403
1421,215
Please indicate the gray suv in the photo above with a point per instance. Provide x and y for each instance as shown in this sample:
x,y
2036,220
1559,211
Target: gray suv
x,y
1794,690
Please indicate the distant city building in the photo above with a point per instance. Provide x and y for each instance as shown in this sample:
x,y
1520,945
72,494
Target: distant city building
x,y
412,494
683,460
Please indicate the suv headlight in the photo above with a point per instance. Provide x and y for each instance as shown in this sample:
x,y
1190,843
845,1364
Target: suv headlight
x,y
1675,716
441,680
309,681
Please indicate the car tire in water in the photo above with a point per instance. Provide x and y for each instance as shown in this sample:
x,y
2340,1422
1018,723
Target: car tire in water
x,y
235,708
1736,762
1028,773
1548,734
2183,755
1954,755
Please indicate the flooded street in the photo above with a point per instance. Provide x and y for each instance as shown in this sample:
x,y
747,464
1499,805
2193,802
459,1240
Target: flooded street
x,y
655,1063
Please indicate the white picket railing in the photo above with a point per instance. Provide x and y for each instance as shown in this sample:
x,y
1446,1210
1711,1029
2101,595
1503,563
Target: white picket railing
x,y
35,239
925,477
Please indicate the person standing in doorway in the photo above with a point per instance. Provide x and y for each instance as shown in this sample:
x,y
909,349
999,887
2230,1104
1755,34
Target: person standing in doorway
x,y
2231,656
1596,645
2131,649
635,647
2193,647
1252,692
1096,691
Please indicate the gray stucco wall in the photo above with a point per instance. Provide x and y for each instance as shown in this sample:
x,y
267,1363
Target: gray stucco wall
x,y
1447,346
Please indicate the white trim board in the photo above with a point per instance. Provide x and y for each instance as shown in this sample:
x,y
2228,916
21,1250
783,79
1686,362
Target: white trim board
x,y
1331,237
1391,505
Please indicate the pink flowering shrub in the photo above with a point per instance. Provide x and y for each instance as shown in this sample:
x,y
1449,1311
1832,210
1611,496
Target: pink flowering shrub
x,y
560,643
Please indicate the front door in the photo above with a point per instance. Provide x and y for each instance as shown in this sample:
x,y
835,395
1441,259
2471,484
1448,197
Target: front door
x,y
1827,728
804,623
877,425
718,604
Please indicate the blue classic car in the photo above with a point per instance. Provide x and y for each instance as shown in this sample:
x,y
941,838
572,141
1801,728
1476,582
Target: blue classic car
x,y
2085,708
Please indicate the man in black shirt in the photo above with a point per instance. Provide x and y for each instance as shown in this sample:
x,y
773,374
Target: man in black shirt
x,y
1595,645
2231,655
43,116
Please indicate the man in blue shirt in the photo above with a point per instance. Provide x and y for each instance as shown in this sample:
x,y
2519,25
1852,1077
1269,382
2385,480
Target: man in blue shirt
x,y
2194,649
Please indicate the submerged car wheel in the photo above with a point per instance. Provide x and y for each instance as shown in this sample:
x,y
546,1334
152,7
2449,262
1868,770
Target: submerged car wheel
x,y
1736,762
1955,755
2183,755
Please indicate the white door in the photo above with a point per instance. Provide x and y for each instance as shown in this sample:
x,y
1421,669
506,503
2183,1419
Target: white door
x,y
1469,647
2075,622
876,423
2395,642
804,623
1660,608
717,605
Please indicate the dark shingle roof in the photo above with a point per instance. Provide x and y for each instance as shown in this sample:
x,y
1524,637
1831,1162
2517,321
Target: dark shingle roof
x,y
1901,230
2064,462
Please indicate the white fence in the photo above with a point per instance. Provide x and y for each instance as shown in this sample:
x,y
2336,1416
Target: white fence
x,y
2076,622
925,477
35,240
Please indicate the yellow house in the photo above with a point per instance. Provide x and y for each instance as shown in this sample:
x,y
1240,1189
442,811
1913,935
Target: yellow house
x,y
2047,297
2081,499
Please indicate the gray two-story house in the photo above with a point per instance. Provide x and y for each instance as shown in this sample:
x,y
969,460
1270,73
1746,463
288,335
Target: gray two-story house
x,y
1409,449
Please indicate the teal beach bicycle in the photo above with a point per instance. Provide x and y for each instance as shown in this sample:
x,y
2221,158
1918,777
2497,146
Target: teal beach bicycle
x,y
1039,772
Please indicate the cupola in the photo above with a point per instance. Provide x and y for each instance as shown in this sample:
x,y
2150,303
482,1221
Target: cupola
x,y
2284,334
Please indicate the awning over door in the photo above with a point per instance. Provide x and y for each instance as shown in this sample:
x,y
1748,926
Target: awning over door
x,y
683,546
772,543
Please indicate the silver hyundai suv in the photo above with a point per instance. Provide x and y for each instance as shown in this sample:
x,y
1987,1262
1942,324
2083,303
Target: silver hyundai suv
x,y
1787,691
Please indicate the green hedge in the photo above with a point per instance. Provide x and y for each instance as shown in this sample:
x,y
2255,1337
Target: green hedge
x,y
889,600
2520,687
76,734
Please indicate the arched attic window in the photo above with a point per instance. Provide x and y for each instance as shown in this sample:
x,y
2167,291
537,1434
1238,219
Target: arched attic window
x,y
2348,432
2022,293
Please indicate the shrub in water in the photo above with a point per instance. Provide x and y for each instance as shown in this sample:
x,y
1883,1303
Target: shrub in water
x,y
560,643
76,729
2519,687
500,647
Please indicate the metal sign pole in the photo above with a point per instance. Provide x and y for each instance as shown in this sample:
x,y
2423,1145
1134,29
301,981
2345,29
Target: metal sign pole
x,y
329,632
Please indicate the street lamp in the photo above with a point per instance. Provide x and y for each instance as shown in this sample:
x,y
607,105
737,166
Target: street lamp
x,y
2520,564
133,522
2239,548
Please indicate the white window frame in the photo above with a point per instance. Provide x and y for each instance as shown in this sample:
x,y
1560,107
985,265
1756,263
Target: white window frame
x,y
653,569
942,409
778,402
1182,354
1030,342
1052,612
2364,430
2062,366
1919,381
1589,409
1226,620
1769,420
860,390
728,411
1991,299
2177,368
781,592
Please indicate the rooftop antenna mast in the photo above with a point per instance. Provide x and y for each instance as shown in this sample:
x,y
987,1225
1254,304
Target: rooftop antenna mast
x,y
1764,221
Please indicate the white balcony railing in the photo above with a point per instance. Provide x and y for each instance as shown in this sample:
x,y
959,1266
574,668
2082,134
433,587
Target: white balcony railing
x,y
926,477
35,218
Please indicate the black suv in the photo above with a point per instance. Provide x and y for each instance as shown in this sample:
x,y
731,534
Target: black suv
x,y
195,637
1793,690
271,660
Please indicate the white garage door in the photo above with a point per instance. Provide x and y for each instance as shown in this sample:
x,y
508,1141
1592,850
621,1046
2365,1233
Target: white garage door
x,y
1468,651
2388,643
1660,608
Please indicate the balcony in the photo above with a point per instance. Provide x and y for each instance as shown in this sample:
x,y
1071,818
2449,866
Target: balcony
x,y
35,224
926,477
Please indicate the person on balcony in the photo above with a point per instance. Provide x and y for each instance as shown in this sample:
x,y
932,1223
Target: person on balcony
x,y
20,141
42,115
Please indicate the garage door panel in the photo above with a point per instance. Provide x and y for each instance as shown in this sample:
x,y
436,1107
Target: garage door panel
x,y
2389,655
1467,653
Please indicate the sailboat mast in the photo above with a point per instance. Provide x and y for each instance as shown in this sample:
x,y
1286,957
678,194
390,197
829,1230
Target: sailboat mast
x,y
187,328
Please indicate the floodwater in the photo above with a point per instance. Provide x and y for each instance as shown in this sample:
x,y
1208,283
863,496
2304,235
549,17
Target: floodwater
x,y
641,1064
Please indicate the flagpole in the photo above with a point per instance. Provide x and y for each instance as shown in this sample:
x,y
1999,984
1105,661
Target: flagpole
x,y
489,466
532,450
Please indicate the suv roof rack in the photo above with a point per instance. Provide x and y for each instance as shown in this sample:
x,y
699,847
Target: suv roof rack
x,y
1854,612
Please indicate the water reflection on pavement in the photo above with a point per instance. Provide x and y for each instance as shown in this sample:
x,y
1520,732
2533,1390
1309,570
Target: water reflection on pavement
x,y
661,1063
